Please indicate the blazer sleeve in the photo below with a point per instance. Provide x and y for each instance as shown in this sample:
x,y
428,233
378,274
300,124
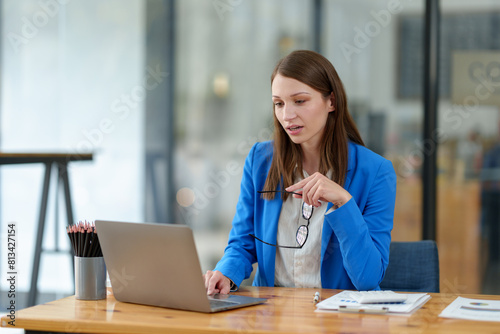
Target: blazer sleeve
x,y
364,235
240,254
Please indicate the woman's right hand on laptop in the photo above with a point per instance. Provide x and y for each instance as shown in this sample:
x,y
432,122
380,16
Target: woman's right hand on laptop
x,y
215,282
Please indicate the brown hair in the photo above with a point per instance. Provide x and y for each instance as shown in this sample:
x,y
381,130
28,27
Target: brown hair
x,y
316,71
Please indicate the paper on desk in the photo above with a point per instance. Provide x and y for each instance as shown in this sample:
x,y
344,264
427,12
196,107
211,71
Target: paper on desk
x,y
473,309
413,301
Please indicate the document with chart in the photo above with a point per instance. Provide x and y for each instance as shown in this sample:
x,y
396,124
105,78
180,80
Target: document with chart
x,y
473,309
345,301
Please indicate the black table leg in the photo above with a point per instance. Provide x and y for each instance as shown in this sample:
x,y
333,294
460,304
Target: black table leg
x,y
39,236
63,175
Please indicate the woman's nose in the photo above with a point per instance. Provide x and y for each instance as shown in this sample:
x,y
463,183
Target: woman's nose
x,y
289,113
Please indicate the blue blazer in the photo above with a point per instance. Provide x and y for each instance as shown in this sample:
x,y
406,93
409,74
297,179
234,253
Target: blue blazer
x,y
355,239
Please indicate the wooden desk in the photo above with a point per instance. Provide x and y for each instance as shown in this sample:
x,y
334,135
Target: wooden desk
x,y
288,310
60,162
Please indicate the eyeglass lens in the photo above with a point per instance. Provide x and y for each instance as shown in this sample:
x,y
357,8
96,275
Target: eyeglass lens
x,y
307,211
302,233
303,230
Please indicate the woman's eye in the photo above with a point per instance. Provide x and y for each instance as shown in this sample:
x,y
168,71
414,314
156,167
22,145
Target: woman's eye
x,y
278,104
299,101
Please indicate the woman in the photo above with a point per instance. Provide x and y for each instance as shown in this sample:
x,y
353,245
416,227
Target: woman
x,y
316,207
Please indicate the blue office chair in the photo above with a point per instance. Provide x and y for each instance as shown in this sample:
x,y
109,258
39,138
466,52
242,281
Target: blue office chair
x,y
413,266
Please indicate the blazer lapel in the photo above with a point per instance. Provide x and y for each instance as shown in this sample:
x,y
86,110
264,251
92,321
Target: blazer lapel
x,y
327,230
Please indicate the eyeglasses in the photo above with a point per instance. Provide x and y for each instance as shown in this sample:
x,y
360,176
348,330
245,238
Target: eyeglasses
x,y
302,230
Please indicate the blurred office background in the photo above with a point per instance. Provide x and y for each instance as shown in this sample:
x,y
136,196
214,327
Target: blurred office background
x,y
171,95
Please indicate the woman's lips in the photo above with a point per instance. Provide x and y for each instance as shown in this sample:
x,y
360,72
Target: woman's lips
x,y
294,130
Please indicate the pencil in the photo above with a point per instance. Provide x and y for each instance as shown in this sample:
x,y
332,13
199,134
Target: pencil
x,y
84,240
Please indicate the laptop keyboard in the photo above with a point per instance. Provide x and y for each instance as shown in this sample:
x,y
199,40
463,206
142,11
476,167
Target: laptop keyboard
x,y
216,303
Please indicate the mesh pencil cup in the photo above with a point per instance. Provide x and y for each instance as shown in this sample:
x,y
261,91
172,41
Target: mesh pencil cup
x,y
90,278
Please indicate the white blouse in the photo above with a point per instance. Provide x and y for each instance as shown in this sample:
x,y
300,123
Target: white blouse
x,y
299,267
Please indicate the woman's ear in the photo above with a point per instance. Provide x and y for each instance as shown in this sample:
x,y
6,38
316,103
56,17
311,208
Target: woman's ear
x,y
332,102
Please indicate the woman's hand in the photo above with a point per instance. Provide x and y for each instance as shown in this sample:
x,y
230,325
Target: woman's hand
x,y
215,282
318,187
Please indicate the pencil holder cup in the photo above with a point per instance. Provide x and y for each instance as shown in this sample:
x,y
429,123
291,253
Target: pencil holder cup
x,y
90,278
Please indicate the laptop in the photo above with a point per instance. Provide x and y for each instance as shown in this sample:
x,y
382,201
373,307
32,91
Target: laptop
x,y
158,265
